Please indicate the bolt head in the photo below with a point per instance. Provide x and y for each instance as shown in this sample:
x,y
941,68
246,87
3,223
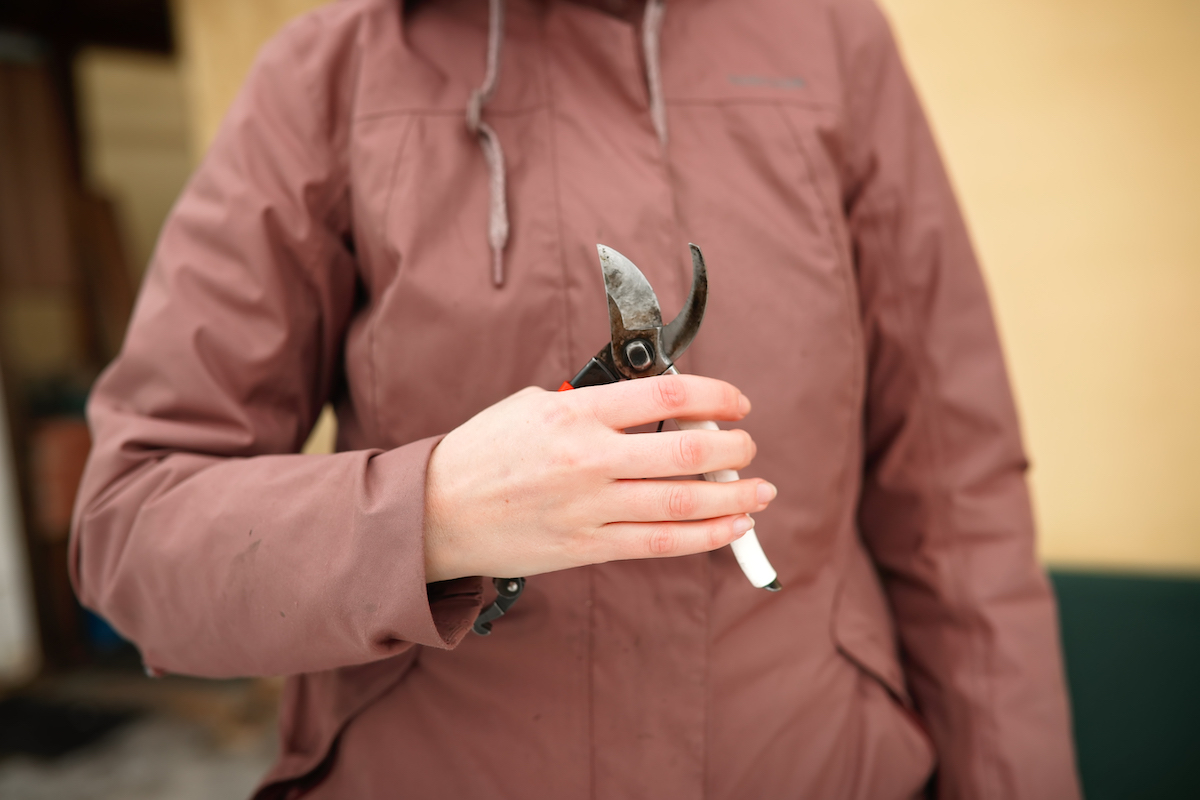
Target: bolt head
x,y
639,354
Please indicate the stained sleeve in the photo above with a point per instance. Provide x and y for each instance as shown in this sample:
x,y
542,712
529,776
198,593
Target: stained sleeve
x,y
945,510
200,532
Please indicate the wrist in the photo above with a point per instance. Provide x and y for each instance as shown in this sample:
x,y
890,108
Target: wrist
x,y
438,552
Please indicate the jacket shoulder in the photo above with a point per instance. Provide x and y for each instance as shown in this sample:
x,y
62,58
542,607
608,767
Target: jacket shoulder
x,y
859,25
311,68
325,47
333,22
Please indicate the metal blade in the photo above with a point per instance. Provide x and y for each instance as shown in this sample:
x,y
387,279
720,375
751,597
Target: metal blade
x,y
679,332
629,292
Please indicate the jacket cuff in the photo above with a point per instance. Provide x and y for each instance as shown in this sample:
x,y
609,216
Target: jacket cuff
x,y
435,614
453,606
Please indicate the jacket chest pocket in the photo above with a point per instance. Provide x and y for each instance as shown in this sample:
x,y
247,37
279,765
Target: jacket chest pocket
x,y
783,323
441,339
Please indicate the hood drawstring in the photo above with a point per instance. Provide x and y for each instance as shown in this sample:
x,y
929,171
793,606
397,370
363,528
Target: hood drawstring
x,y
489,142
652,21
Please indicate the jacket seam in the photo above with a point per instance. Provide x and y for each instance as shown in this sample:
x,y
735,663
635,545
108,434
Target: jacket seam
x,y
852,310
552,140
589,583
433,111
751,101
323,208
425,111
854,447
591,681
372,340
323,212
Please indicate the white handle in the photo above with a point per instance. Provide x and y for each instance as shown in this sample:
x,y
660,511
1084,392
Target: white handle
x,y
746,550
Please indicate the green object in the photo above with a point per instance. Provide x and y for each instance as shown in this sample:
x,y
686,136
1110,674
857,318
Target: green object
x,y
1132,646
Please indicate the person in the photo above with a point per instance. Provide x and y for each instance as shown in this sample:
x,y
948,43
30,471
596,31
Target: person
x,y
350,239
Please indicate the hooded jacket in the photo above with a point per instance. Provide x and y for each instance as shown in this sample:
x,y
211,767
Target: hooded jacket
x,y
337,245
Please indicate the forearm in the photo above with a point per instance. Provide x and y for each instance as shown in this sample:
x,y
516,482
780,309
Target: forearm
x,y
267,565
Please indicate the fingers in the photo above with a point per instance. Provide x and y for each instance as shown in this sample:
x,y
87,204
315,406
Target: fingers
x,y
628,404
677,501
626,540
673,453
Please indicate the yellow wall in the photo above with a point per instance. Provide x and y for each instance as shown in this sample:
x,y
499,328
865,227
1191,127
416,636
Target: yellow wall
x,y
134,119
1073,132
218,39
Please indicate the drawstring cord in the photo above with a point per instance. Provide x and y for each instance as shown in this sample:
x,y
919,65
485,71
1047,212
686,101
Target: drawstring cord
x,y
652,21
489,142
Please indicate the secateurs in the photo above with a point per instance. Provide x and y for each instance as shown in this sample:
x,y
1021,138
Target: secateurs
x,y
640,347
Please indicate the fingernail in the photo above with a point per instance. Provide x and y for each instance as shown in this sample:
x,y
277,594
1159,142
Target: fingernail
x,y
743,405
766,493
742,524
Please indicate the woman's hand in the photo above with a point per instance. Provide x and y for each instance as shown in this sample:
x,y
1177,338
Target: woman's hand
x,y
543,481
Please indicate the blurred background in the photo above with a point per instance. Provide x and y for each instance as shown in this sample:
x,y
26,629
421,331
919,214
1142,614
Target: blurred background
x,y
1072,130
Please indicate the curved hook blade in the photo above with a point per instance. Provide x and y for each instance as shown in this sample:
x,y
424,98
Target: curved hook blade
x,y
679,332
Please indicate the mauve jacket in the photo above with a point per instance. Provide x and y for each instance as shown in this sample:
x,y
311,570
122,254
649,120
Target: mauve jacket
x,y
332,247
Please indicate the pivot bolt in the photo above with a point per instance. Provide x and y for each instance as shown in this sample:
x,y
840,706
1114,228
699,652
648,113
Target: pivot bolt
x,y
639,354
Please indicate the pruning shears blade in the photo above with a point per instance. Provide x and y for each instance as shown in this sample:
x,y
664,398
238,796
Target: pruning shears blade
x,y
679,332
634,313
642,346
629,292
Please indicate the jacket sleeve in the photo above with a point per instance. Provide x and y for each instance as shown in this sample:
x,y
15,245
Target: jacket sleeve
x,y
200,532
944,510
